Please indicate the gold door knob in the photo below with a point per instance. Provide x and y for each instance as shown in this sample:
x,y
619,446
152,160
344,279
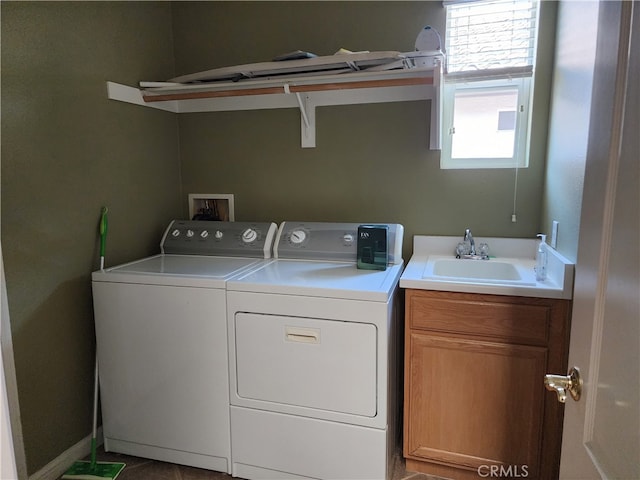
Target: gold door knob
x,y
560,384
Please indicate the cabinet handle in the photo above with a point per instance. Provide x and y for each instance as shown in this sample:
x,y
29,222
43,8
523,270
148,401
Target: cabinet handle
x,y
560,384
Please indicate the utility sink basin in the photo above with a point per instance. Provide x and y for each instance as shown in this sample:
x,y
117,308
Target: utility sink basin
x,y
476,269
509,270
512,271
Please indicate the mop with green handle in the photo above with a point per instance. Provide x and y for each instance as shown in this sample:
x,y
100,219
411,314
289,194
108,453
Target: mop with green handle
x,y
94,470
103,235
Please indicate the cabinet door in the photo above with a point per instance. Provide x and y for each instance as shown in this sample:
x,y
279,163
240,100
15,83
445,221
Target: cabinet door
x,y
474,403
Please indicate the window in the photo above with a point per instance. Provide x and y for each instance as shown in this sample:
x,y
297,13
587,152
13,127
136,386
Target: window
x,y
490,46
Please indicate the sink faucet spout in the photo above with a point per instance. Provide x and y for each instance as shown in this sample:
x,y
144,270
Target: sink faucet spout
x,y
468,237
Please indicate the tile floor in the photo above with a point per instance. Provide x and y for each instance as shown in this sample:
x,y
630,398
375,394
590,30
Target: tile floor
x,y
145,469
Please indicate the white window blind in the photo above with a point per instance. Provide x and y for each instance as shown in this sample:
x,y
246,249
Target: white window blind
x,y
490,38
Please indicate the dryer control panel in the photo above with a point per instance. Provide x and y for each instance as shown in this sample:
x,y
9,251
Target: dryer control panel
x,y
235,239
329,241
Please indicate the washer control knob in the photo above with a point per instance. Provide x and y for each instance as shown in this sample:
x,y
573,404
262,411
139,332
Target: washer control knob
x,y
190,233
218,234
347,238
249,235
175,233
298,236
204,234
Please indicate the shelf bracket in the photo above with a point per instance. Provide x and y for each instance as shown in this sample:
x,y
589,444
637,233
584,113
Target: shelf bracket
x,y
435,133
307,119
303,110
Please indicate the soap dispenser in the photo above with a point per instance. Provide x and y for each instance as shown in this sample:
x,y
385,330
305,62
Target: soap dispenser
x,y
541,259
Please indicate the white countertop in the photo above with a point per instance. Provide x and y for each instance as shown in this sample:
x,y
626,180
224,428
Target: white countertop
x,y
517,251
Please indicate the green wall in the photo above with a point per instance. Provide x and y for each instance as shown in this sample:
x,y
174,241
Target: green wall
x,y
372,162
569,122
66,151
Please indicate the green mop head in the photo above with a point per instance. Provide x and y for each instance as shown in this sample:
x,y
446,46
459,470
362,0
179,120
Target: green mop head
x,y
85,470
93,470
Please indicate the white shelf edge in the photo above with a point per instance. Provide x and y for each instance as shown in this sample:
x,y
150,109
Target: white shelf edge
x,y
127,94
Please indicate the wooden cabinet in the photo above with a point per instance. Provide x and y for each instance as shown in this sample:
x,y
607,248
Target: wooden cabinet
x,y
475,403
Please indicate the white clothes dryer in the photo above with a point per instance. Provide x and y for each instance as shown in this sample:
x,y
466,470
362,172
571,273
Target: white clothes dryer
x,y
314,359
162,342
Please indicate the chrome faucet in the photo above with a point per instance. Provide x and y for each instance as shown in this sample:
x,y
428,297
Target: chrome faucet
x,y
469,238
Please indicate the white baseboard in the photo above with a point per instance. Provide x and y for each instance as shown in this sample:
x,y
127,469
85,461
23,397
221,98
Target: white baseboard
x,y
56,467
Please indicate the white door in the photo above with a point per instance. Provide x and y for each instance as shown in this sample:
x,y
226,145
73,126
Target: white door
x,y
602,430
8,467
13,463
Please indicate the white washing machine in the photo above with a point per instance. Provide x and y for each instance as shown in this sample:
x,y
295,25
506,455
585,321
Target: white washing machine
x,y
314,359
162,342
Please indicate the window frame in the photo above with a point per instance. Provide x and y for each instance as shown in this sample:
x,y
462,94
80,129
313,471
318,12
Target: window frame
x,y
487,78
522,134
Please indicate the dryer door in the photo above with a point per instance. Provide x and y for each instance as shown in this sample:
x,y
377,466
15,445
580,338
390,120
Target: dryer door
x,y
307,362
